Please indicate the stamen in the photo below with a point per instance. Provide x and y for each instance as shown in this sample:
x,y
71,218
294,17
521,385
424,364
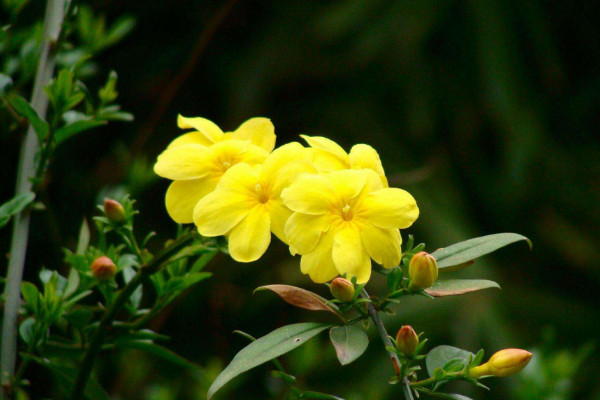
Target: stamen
x,y
258,188
346,209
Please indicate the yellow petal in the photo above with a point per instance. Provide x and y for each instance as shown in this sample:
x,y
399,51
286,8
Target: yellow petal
x,y
363,156
284,164
347,184
310,194
190,161
220,211
349,255
227,153
303,231
383,245
260,131
190,138
204,127
389,208
240,178
279,214
249,240
327,145
182,197
318,264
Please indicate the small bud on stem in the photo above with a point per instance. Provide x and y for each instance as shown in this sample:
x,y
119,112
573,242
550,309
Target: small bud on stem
x,y
342,289
103,268
503,363
407,340
114,211
422,270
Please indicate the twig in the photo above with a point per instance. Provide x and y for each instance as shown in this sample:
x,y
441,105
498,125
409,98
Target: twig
x,y
26,170
385,338
105,324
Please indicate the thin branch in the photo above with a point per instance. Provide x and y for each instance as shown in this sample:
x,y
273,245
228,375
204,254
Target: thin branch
x,y
105,325
385,338
26,170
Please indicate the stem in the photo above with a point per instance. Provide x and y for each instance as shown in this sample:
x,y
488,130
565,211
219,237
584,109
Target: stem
x,y
105,324
39,101
385,338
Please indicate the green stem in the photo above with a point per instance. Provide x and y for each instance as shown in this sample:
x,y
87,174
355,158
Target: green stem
x,y
385,338
105,325
429,381
26,170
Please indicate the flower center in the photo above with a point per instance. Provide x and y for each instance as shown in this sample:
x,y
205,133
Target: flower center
x,y
225,165
262,196
347,212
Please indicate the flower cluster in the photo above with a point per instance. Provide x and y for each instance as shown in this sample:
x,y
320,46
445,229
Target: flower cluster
x,y
333,208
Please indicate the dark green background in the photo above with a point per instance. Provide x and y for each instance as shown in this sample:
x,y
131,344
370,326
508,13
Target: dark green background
x,y
486,111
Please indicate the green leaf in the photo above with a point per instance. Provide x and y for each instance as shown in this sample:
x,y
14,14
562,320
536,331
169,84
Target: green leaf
x,y
156,350
454,287
318,395
24,109
471,249
31,295
84,238
266,348
350,342
440,356
15,206
5,81
27,330
76,127
450,396
118,31
72,283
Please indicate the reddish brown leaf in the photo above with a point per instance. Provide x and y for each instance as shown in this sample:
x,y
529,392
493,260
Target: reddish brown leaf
x,y
301,298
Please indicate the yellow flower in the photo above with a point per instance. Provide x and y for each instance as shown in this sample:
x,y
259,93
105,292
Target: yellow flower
x,y
196,161
329,156
343,219
246,205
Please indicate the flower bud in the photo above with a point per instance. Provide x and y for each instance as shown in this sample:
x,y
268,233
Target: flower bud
x,y
423,271
114,211
342,289
103,268
407,340
504,363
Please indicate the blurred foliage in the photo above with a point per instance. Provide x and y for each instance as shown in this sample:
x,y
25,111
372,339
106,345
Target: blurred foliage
x,y
485,111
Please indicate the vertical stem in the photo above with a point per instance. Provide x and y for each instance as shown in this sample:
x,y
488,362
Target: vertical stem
x,y
26,170
385,338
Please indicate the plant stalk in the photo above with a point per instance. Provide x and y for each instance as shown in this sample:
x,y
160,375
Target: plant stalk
x,y
105,325
385,338
26,170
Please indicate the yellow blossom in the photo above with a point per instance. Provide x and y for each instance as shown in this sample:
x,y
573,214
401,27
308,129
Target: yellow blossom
x,y
197,160
502,364
343,219
330,156
246,204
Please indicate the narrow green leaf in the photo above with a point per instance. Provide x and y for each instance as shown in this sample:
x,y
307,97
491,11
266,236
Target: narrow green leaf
x,y
266,348
15,206
24,109
471,249
440,356
156,350
350,342
76,127
454,287
84,238
118,31
5,81
318,395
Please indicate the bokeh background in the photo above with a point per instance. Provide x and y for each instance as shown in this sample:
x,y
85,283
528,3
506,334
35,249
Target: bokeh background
x,y
486,111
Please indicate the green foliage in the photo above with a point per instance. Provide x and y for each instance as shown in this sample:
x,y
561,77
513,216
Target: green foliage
x,y
349,341
15,206
471,249
266,348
